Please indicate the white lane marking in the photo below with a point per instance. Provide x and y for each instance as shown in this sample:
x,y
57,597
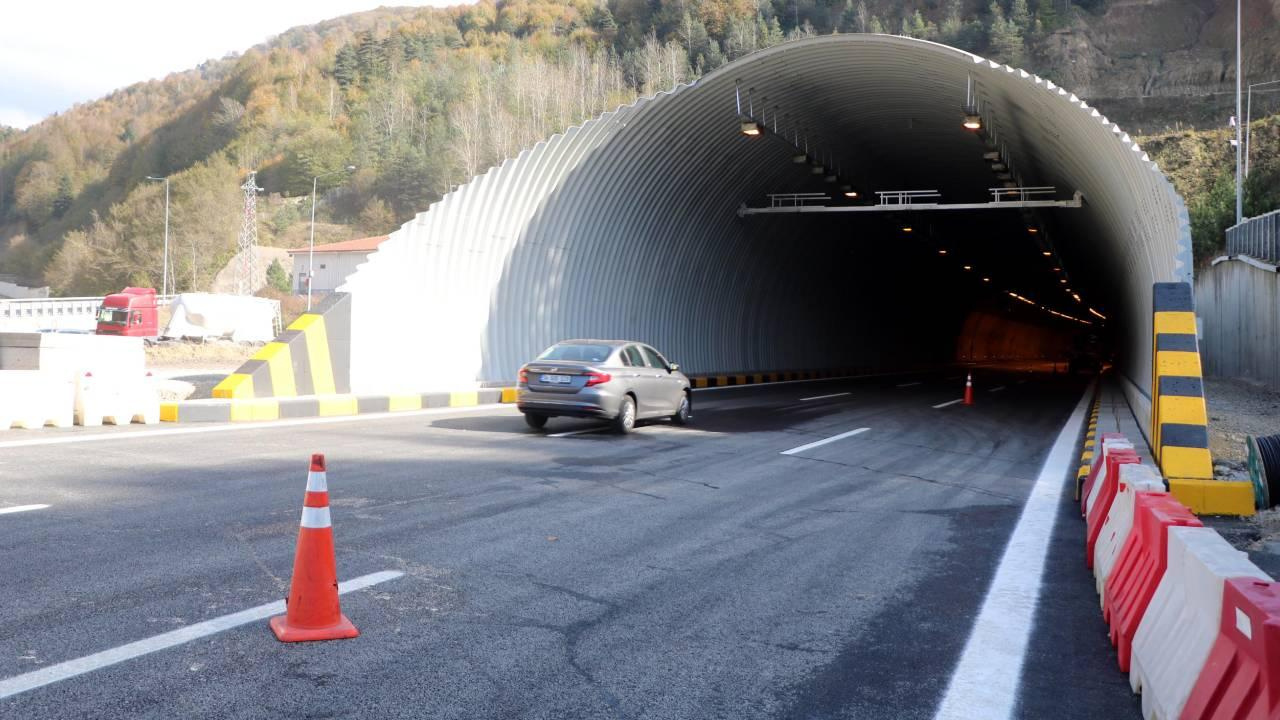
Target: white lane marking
x,y
911,384
949,402
228,427
1021,382
831,439
571,433
21,508
824,397
985,682
996,389
71,668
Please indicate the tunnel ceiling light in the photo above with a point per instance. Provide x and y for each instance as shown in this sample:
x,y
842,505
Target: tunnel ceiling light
x,y
906,228
750,128
1057,269
1098,314
1076,296
1046,253
1033,230
830,178
968,267
985,279
800,158
1062,280
817,170
972,121
999,167
942,252
848,191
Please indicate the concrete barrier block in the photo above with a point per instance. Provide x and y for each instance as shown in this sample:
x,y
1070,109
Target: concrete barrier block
x,y
1182,620
1115,530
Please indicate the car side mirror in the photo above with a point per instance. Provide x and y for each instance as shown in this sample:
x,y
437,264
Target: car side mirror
x,y
675,367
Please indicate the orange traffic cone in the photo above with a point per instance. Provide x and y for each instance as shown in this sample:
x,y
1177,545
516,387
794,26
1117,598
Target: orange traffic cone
x,y
968,390
312,606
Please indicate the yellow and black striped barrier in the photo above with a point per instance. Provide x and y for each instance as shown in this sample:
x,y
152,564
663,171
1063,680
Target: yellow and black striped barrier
x,y
311,357
1179,419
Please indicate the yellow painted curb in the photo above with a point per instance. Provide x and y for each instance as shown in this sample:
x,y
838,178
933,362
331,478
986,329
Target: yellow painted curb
x,y
1214,497
464,399
510,395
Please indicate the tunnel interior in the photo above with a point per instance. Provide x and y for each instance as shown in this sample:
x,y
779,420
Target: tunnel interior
x,y
629,226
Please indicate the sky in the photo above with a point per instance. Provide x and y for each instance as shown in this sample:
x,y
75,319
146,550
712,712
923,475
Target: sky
x,y
56,53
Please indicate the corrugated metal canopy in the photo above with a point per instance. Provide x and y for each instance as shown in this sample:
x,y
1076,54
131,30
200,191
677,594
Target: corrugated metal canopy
x,y
627,226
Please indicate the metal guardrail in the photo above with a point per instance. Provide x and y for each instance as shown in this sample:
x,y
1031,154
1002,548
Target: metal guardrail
x,y
907,197
1257,237
795,199
55,313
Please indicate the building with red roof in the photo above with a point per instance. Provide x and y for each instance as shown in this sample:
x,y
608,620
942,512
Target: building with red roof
x,y
333,262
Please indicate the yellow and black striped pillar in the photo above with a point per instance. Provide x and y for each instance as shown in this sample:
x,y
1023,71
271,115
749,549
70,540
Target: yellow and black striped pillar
x,y
1179,422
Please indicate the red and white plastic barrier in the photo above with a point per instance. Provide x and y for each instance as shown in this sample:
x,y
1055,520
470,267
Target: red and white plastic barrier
x,y
1241,678
1182,620
1107,485
1134,479
1141,566
1110,442
1194,622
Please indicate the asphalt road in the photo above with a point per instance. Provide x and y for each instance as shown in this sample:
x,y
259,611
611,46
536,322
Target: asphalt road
x,y
673,573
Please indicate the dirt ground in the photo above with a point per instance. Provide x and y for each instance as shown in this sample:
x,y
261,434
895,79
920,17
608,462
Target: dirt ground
x,y
211,354
1238,408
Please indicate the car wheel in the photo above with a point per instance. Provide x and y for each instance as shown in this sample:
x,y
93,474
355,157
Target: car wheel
x,y
684,413
626,419
535,421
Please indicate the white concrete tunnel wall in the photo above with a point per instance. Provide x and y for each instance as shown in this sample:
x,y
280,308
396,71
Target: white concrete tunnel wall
x,y
626,226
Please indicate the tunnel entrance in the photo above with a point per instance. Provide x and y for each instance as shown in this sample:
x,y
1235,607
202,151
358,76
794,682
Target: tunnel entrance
x,y
629,226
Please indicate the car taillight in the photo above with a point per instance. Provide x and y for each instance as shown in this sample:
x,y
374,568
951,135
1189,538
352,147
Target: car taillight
x,y
524,376
597,378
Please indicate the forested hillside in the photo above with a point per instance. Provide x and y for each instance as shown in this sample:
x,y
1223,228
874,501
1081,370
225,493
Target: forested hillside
x,y
420,100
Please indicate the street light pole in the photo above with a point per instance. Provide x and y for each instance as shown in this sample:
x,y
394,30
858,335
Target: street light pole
x,y
1239,129
311,252
164,274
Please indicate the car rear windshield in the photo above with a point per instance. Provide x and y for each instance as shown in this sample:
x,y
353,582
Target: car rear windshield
x,y
581,353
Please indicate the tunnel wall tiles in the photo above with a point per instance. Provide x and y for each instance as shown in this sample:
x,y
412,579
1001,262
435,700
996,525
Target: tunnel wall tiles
x,y
311,357
607,230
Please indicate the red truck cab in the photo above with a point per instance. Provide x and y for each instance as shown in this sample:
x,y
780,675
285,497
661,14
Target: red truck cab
x,y
130,312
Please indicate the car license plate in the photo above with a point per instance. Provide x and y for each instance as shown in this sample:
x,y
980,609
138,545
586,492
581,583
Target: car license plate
x,y
556,379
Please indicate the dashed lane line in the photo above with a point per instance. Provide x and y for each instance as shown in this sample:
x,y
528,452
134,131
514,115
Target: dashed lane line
x,y
71,668
584,431
824,397
910,384
949,402
985,682
997,389
831,439
21,508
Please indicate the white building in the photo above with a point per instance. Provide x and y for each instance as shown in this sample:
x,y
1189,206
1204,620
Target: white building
x,y
333,263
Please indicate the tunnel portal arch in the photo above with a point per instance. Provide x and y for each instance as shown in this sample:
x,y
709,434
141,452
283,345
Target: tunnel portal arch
x,y
627,226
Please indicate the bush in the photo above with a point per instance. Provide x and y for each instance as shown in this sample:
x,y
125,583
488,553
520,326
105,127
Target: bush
x,y
277,278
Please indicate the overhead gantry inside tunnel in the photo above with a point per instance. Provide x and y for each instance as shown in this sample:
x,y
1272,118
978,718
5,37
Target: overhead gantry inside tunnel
x,y
657,222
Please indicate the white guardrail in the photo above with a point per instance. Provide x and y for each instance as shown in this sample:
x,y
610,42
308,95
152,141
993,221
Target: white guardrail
x,y
35,314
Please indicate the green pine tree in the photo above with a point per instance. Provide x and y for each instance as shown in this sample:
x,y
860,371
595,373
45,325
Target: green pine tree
x,y
277,278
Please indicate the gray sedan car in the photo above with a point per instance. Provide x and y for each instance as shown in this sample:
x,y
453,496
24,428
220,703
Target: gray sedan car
x,y
617,380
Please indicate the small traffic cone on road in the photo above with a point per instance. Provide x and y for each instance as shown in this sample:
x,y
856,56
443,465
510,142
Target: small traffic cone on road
x,y
968,390
312,610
